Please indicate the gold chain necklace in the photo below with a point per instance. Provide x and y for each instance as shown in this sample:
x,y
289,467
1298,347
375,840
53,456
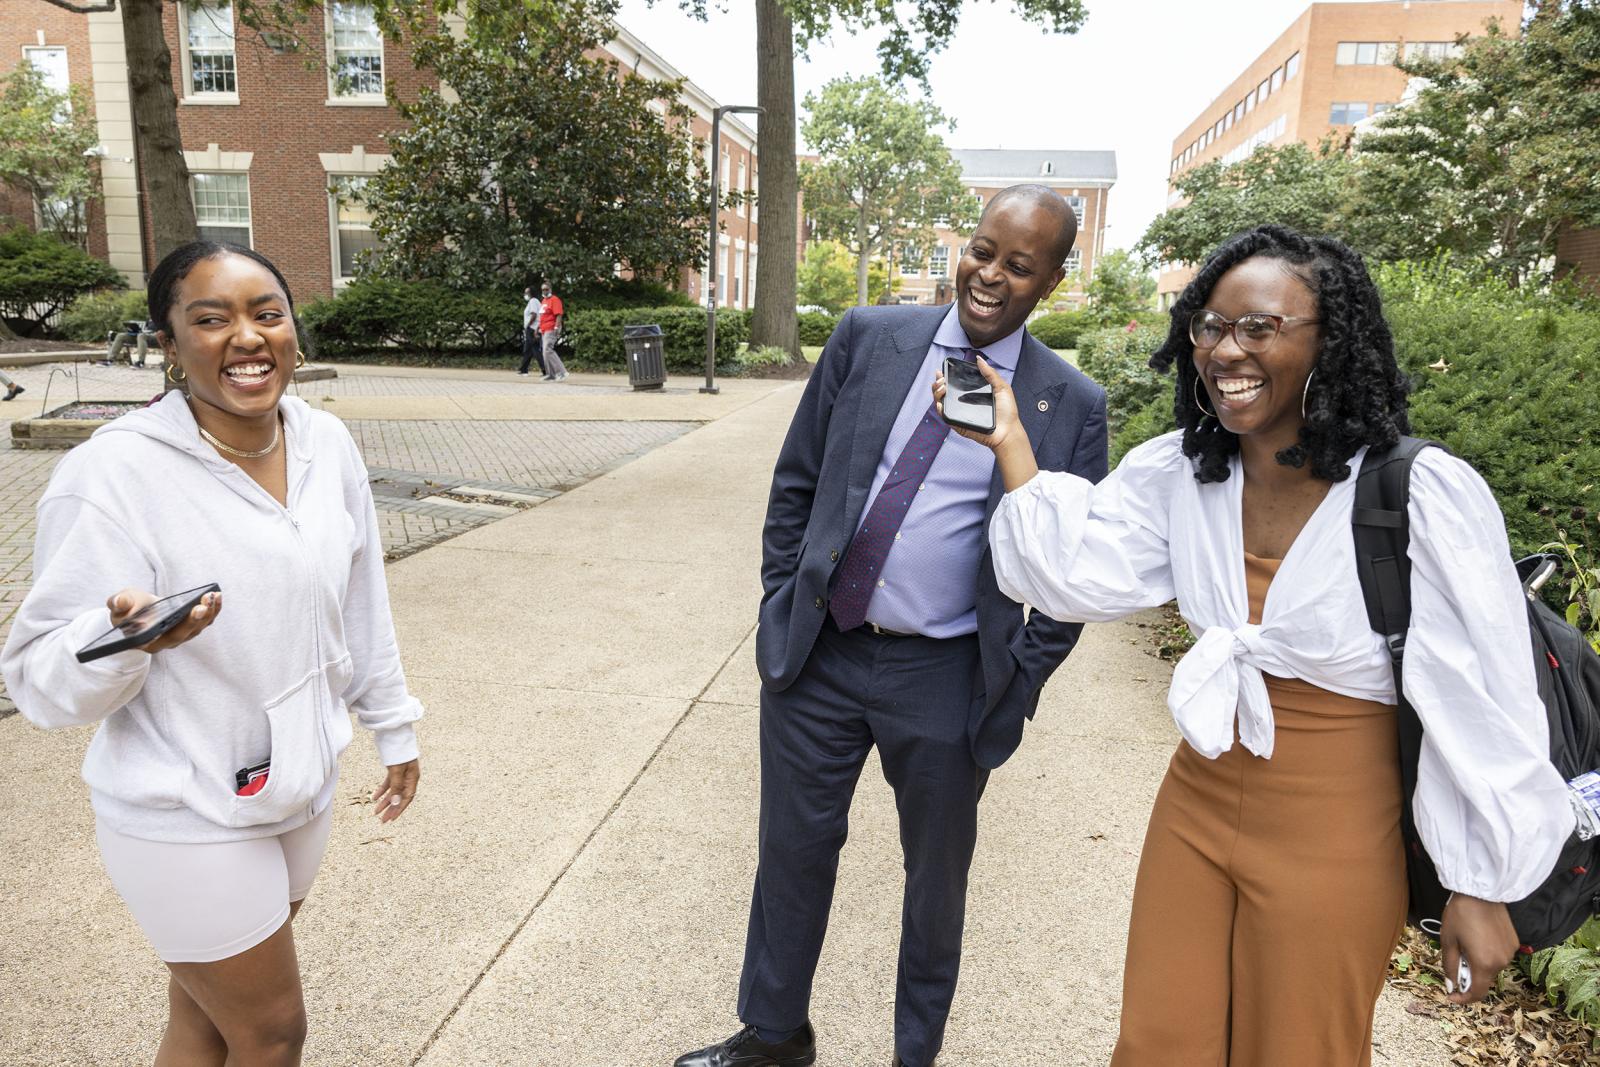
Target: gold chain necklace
x,y
277,435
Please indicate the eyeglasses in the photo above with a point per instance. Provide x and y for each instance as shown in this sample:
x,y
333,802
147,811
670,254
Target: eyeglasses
x,y
1253,332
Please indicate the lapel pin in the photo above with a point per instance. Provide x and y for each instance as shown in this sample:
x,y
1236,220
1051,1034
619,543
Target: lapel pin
x,y
1044,405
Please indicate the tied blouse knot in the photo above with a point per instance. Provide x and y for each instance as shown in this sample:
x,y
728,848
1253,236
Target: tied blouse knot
x,y
1490,807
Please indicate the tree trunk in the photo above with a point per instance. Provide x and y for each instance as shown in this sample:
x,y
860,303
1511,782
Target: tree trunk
x,y
773,321
863,258
155,120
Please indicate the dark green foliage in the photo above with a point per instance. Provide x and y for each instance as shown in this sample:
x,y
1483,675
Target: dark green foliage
x,y
1510,381
374,314
40,275
1060,329
596,336
94,315
626,293
1119,359
816,327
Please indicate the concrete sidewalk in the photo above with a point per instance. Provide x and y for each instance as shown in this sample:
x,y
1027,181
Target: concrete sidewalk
x,y
571,886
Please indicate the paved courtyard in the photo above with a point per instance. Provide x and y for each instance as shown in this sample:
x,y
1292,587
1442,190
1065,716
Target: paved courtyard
x,y
432,478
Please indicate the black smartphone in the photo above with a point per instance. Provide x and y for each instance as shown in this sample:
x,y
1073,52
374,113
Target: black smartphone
x,y
146,624
968,396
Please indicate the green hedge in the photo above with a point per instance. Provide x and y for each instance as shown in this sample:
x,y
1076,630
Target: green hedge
x,y
1509,380
816,327
596,336
1060,329
375,314
41,275
93,315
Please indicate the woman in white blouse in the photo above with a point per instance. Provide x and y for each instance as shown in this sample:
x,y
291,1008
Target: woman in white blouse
x,y
1271,888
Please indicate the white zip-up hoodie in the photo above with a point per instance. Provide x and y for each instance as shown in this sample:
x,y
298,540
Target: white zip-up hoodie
x,y
304,634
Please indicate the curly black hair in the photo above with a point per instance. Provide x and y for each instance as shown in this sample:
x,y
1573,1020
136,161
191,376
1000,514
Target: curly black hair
x,y
1357,395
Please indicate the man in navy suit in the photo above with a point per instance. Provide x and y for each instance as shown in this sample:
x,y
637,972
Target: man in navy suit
x,y
882,624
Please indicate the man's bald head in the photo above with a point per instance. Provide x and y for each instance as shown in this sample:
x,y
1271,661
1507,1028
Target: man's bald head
x,y
1046,199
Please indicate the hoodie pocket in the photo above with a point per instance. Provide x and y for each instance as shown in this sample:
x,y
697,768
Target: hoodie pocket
x,y
299,762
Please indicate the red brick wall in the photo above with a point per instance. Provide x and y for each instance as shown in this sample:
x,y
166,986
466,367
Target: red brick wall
x,y
26,24
1578,254
284,118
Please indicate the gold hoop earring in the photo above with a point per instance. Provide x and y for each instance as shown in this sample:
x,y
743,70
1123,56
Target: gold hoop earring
x,y
1305,393
1197,403
299,359
178,378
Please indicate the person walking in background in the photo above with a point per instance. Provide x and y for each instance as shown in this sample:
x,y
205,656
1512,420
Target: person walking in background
x,y
13,390
550,319
881,626
530,332
1272,885
213,771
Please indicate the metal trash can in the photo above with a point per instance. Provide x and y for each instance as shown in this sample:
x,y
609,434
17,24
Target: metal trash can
x,y
647,362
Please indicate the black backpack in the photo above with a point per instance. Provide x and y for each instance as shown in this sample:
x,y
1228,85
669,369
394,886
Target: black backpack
x,y
1568,673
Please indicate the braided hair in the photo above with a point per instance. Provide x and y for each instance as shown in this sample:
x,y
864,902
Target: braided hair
x,y
1357,394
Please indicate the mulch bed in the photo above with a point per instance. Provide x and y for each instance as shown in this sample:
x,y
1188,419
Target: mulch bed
x,y
1514,1027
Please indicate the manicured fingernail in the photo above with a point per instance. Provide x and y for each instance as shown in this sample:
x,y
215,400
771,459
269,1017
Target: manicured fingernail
x,y
1449,986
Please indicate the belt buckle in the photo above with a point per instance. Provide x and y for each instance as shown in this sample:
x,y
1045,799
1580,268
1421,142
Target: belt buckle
x,y
880,631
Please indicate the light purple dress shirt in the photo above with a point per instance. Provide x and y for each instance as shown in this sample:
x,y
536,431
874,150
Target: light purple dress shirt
x,y
929,583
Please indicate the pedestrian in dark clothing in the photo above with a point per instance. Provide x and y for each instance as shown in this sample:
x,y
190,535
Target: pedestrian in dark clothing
x,y
530,332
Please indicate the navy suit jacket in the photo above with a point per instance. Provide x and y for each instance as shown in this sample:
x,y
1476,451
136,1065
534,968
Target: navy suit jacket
x,y
825,471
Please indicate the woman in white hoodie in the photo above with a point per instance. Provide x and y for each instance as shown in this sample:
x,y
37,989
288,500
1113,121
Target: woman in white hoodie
x,y
226,481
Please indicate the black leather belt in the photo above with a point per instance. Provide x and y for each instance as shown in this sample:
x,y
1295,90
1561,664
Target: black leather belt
x,y
866,627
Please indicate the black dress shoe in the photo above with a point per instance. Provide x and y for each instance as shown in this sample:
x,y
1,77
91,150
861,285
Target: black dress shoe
x,y
746,1049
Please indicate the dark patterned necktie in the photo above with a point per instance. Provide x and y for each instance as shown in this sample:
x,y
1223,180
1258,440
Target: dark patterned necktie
x,y
869,549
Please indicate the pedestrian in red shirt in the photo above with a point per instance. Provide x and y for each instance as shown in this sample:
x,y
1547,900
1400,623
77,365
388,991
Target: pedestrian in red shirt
x,y
549,329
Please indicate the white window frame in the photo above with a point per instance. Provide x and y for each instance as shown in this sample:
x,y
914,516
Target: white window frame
x,y
939,261
908,268
249,205
340,279
1291,67
29,51
1079,206
335,97
189,96
1074,263
743,174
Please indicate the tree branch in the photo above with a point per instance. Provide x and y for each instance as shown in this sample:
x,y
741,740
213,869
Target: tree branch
x,y
84,7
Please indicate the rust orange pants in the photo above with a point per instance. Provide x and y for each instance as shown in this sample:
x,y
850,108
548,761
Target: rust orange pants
x,y
1270,893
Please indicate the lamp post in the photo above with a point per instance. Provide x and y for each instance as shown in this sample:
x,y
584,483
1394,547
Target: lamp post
x,y
711,247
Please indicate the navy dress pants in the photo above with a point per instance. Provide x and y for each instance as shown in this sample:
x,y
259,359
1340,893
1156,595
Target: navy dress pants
x,y
530,351
912,697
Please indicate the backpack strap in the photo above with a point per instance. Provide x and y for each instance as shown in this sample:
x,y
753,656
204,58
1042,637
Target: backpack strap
x,y
1383,534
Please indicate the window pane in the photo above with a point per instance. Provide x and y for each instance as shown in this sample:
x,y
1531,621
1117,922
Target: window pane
x,y
1277,79
1250,102
1357,112
939,263
1264,90
1077,204
1075,261
1387,52
1292,67
237,235
1336,115
1366,53
1345,54
357,49
221,199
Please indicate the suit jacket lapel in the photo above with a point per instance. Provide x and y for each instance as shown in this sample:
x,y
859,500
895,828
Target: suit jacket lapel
x,y
891,373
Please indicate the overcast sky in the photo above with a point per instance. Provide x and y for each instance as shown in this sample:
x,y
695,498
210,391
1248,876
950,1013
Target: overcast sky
x,y
1136,74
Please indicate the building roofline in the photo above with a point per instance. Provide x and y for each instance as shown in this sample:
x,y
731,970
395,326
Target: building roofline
x,y
703,102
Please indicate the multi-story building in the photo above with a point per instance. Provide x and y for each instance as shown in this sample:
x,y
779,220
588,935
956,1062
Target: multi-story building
x,y
276,143
1332,68
1084,180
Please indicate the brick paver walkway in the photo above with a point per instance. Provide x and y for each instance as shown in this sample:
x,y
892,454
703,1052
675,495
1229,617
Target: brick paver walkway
x,y
428,476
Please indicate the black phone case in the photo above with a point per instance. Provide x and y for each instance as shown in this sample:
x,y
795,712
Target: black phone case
x,y
956,420
95,650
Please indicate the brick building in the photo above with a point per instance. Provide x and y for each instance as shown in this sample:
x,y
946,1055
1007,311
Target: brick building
x,y
1084,180
1332,68
276,139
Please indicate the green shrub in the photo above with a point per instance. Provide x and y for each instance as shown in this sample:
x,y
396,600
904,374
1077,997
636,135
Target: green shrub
x,y
816,327
94,315
765,356
1570,973
376,314
627,293
40,275
1510,381
1119,359
596,336
1060,329
1152,420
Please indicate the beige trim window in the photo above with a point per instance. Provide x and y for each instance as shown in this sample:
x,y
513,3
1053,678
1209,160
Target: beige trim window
x,y
1366,53
352,224
222,207
355,51
210,68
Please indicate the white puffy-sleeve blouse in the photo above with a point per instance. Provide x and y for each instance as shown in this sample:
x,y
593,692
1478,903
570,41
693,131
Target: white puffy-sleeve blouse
x,y
1490,807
